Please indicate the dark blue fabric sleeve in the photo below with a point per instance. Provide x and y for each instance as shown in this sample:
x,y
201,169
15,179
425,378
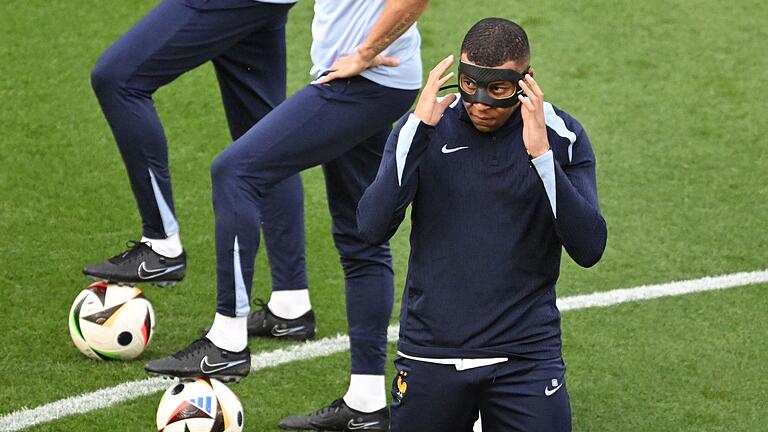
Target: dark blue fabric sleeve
x,y
579,223
382,207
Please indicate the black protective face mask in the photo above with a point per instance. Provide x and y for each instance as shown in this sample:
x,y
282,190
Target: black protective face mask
x,y
485,81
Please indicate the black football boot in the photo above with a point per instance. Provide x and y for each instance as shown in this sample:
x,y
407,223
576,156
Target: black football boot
x,y
339,417
264,323
203,358
139,264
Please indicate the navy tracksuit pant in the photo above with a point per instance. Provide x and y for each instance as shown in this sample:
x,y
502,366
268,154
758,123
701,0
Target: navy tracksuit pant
x,y
518,395
245,40
343,126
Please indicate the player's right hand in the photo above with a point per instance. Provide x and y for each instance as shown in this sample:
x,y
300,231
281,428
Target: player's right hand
x,y
353,65
428,109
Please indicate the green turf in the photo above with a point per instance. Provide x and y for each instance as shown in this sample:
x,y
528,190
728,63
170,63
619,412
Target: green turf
x,y
670,93
623,373
690,363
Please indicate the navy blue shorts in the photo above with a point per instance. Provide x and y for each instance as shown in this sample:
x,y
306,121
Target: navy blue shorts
x,y
517,395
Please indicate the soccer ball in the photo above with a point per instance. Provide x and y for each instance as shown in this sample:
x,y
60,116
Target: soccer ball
x,y
203,405
111,322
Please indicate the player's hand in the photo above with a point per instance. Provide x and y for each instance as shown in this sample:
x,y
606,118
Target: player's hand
x,y
352,65
532,110
428,109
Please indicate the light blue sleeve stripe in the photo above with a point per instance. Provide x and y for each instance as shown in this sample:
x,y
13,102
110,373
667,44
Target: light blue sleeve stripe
x,y
545,166
242,306
558,125
170,225
404,141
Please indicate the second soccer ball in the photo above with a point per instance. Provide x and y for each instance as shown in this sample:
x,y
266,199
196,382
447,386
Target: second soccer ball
x,y
203,405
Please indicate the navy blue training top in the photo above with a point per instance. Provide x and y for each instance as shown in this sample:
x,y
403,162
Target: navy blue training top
x,y
488,227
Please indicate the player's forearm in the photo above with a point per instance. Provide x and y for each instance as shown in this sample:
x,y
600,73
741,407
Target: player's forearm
x,y
579,224
397,17
382,207
572,194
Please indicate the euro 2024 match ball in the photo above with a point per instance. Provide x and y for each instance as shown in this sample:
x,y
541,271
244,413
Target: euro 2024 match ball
x,y
202,405
111,322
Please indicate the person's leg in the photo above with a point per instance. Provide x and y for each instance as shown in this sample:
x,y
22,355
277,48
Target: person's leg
x,y
369,294
526,395
172,39
283,228
367,270
433,397
252,79
316,125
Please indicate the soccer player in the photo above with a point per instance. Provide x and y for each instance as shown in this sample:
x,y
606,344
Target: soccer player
x,y
499,182
367,69
245,41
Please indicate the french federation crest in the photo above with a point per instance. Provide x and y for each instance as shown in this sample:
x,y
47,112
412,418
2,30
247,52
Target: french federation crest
x,y
401,386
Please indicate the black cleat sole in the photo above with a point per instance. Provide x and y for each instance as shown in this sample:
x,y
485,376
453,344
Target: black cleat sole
x,y
222,378
161,284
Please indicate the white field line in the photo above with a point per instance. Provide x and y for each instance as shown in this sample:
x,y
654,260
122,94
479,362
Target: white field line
x,y
647,292
107,397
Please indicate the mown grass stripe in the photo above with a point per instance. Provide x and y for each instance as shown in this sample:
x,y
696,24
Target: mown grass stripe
x,y
107,397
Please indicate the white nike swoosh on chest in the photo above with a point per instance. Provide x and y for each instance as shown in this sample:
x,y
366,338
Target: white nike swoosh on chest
x,y
447,150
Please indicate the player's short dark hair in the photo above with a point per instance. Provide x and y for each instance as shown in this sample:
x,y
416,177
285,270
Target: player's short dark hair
x,y
494,41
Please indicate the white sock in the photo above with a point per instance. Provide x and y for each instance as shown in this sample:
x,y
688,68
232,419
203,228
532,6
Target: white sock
x,y
366,393
168,247
229,333
289,304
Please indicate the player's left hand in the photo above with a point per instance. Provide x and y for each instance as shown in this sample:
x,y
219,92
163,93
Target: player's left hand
x,y
352,65
532,110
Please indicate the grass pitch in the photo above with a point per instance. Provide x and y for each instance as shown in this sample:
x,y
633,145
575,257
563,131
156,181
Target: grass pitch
x,y
670,94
